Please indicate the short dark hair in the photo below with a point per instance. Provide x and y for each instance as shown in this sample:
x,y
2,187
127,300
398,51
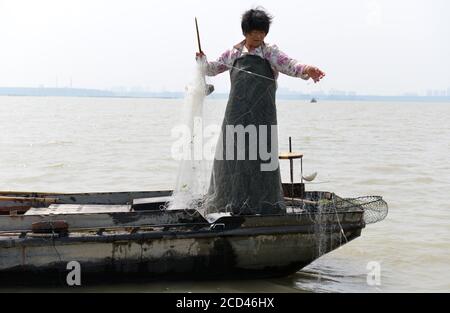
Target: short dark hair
x,y
256,19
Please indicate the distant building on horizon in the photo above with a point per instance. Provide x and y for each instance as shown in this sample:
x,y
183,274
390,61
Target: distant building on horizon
x,y
334,92
438,92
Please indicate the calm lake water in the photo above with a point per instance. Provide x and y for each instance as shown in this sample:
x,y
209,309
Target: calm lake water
x,y
397,150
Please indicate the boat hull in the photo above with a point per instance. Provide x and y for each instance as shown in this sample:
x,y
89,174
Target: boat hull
x,y
241,252
161,244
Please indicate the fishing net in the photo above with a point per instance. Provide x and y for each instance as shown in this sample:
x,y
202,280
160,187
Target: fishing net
x,y
192,174
246,177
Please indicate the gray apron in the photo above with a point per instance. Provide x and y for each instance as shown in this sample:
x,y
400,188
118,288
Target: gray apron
x,y
239,185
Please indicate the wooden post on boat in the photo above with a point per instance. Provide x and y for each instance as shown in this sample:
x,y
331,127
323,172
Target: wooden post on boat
x,y
291,162
291,156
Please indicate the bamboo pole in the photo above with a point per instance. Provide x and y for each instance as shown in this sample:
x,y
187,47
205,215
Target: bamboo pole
x,y
198,37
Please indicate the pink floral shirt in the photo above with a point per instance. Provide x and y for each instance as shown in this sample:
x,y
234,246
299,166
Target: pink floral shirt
x,y
279,61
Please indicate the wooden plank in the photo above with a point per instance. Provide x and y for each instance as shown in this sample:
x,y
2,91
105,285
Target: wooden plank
x,y
290,155
29,199
90,197
22,223
78,209
110,197
299,201
148,204
26,198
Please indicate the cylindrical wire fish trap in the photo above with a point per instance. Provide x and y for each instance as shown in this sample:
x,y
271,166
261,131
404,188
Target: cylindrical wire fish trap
x,y
375,208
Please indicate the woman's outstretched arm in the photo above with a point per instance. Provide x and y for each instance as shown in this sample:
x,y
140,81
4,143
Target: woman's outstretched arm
x,y
289,66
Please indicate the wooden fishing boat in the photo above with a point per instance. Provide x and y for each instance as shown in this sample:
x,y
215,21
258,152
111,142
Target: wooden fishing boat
x,y
132,235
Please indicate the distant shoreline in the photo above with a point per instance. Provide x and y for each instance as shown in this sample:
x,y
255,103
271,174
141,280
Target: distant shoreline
x,y
95,93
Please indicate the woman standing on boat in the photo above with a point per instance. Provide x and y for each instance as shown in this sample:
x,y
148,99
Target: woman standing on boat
x,y
242,181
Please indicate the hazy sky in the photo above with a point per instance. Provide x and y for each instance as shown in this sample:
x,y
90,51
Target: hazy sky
x,y
368,46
